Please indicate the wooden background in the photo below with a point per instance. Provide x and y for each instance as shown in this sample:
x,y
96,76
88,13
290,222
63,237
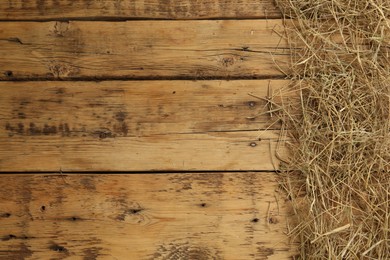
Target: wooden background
x,y
139,129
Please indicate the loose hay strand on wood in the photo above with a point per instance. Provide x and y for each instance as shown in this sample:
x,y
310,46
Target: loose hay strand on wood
x,y
338,175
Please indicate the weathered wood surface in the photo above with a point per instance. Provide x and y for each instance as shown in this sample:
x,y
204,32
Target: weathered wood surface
x,y
137,125
142,49
136,9
161,216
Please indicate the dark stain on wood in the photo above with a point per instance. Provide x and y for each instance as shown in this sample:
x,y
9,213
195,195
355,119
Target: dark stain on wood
x,y
8,73
130,211
103,133
41,6
134,211
186,250
21,115
118,129
12,236
273,220
264,252
109,91
15,40
207,181
187,186
24,102
5,215
8,237
126,208
74,218
120,116
227,61
88,183
33,130
10,129
58,248
23,253
57,101
49,130
60,91
92,253
25,200
96,104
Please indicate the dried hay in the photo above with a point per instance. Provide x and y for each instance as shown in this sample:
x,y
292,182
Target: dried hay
x,y
338,174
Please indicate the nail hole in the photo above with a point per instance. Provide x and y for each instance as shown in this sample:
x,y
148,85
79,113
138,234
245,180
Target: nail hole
x,y
43,208
255,220
203,205
174,92
9,237
58,248
135,211
9,73
5,215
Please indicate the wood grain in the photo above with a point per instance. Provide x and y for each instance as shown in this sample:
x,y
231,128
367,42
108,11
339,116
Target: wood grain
x,y
136,9
142,49
135,108
137,126
161,216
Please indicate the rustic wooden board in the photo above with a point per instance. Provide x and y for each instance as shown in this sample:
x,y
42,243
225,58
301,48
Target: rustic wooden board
x,y
136,9
137,126
135,108
188,152
142,49
161,216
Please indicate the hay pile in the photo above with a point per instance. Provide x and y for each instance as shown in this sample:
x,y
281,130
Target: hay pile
x,y
338,175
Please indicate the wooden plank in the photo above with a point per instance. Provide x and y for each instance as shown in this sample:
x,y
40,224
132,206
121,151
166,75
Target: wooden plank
x,y
161,216
136,108
137,126
136,9
188,152
142,49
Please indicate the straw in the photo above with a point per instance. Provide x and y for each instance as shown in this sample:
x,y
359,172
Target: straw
x,y
337,178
